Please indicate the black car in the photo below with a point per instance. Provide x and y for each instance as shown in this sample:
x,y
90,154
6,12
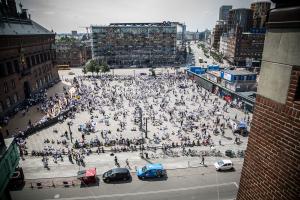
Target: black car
x,y
116,174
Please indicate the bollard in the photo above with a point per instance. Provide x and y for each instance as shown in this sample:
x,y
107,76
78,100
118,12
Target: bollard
x,y
188,163
53,185
31,185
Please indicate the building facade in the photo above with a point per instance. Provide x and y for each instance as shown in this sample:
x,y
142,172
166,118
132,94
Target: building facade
x,y
219,29
224,12
260,11
71,52
27,55
271,165
241,17
140,44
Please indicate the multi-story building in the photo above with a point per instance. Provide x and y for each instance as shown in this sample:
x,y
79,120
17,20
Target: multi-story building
x,y
224,12
242,48
241,17
220,27
27,55
271,165
71,52
260,11
223,49
140,44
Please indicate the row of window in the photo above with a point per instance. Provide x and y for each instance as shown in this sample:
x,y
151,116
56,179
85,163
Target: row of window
x,y
11,67
6,85
9,101
37,59
12,84
248,78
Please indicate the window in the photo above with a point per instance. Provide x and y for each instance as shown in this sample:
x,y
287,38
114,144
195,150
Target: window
x,y
13,84
16,98
33,60
37,58
3,71
45,56
9,68
42,58
17,66
28,62
5,87
8,103
297,93
1,107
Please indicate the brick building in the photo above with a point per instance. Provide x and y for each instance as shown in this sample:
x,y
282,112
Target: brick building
x,y
70,51
218,30
26,56
271,165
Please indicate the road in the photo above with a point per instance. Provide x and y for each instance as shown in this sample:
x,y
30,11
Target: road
x,y
199,53
188,184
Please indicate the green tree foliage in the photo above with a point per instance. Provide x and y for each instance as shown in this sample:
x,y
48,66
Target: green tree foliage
x,y
91,66
84,70
104,67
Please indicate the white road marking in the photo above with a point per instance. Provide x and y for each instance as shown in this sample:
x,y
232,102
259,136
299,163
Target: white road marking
x,y
56,196
236,184
148,192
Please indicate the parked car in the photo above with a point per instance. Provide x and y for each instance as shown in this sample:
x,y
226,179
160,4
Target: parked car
x,y
223,165
151,171
116,174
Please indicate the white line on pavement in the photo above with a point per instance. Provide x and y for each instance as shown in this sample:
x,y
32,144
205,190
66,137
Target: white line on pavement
x,y
148,192
236,184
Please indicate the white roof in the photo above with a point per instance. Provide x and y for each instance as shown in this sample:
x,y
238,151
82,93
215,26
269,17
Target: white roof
x,y
227,161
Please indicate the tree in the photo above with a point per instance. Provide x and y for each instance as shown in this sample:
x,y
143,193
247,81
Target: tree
x,y
84,70
91,67
97,69
104,68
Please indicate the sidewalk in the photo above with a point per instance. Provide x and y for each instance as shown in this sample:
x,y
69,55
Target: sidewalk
x,y
34,169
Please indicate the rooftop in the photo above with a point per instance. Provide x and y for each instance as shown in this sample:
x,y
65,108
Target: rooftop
x,y
3,149
15,27
239,72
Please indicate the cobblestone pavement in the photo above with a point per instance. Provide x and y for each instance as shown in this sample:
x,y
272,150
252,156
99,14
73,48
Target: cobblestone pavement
x,y
169,131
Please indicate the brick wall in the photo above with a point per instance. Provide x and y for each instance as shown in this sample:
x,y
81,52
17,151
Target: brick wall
x,y
271,167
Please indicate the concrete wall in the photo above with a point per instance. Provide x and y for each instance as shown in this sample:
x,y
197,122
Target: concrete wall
x,y
282,46
274,81
281,52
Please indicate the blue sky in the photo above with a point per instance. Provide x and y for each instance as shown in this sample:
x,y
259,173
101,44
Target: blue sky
x,y
66,15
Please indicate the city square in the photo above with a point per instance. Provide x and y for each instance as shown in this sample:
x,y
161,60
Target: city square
x,y
152,100
112,126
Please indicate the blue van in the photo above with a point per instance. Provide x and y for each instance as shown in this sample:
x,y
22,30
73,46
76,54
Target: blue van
x,y
151,171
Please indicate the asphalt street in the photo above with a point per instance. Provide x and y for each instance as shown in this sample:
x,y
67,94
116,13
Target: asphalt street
x,y
192,183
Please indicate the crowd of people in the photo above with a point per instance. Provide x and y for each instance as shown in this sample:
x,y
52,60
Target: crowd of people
x,y
131,113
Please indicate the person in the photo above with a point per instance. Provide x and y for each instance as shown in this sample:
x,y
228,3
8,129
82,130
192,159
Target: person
x,y
202,162
127,163
116,161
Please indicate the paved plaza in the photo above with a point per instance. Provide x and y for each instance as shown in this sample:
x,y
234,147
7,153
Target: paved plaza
x,y
183,122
